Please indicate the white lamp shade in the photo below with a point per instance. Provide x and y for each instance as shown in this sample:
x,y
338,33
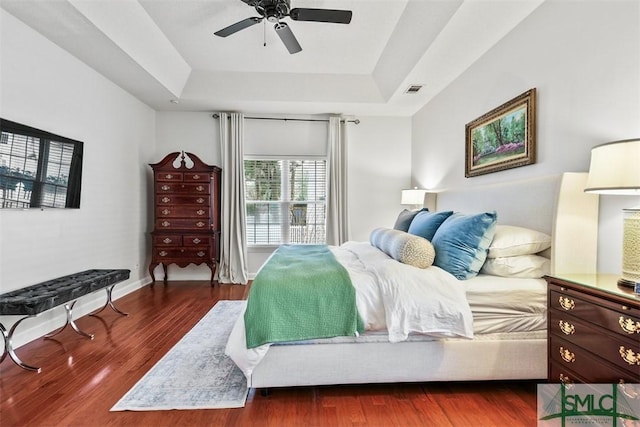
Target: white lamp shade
x,y
412,197
615,168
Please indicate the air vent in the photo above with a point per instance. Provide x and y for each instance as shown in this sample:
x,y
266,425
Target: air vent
x,y
413,89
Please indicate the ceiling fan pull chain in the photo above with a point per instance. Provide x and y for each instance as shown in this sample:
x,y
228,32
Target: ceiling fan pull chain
x,y
264,33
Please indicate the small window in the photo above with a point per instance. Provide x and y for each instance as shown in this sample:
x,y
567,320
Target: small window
x,y
38,169
285,201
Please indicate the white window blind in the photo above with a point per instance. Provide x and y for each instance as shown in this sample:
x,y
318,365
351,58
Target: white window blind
x,y
285,201
34,171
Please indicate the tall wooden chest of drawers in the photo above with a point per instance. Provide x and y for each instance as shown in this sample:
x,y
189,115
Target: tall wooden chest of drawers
x,y
593,330
186,213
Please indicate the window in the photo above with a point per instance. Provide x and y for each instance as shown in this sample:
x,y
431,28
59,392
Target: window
x,y
37,168
285,201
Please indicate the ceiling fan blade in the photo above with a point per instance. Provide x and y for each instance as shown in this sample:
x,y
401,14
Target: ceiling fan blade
x,y
321,15
241,25
287,37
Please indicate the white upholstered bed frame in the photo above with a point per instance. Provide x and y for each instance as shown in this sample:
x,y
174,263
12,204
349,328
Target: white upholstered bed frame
x,y
552,204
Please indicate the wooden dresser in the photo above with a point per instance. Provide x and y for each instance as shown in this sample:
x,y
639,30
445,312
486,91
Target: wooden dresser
x,y
593,330
186,213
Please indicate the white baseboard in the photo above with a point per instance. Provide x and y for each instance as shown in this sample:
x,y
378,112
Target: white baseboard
x,y
44,323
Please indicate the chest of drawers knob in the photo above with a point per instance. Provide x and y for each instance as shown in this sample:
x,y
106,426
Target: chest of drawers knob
x,y
629,356
567,355
567,328
630,390
567,303
629,325
565,379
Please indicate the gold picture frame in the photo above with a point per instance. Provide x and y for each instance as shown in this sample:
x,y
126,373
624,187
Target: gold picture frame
x,y
503,138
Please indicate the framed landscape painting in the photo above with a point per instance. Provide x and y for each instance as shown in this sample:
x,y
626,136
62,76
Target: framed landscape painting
x,y
503,138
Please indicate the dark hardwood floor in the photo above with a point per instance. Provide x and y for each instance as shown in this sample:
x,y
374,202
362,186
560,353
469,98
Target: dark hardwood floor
x,y
82,379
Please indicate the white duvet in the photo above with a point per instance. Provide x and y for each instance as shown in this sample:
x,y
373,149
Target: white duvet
x,y
390,296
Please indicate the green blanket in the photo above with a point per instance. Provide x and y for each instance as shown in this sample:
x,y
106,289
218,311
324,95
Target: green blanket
x,y
302,292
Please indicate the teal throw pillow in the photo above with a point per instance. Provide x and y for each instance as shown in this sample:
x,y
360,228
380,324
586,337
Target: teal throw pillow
x,y
425,224
462,243
405,217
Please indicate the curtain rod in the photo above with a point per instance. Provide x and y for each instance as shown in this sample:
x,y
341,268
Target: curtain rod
x,y
356,121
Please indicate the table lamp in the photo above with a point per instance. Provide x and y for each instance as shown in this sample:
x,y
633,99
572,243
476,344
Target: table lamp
x,y
413,197
615,169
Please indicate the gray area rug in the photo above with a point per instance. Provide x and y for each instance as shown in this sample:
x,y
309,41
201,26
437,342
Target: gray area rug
x,y
195,373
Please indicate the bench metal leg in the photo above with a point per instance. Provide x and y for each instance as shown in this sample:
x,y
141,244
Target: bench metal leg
x,y
8,346
109,303
69,309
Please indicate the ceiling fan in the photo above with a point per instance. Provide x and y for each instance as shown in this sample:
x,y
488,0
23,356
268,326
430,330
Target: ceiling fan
x,y
276,10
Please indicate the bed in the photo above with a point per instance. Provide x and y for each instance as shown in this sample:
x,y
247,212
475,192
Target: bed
x,y
501,340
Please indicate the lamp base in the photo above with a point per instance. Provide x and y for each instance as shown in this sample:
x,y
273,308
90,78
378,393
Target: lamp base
x,y
627,283
630,248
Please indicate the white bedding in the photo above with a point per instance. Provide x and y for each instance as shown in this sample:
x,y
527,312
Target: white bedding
x,y
501,304
401,300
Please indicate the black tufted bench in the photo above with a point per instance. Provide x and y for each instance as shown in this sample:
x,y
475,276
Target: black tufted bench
x,y
38,298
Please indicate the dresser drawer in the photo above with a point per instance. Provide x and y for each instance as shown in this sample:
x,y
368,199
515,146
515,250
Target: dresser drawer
x,y
196,240
169,176
179,253
623,352
182,211
182,188
183,224
568,358
196,177
182,199
559,373
167,240
623,322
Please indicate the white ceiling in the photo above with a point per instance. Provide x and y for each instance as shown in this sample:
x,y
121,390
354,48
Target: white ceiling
x,y
164,50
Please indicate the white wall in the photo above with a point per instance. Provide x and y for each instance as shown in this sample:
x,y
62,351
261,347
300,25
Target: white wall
x,y
379,155
379,158
584,60
45,87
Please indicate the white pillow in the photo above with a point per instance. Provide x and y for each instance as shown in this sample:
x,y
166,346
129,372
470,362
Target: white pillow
x,y
510,240
522,266
404,247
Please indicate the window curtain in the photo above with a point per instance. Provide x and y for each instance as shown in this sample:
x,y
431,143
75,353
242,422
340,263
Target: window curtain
x,y
233,248
337,207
